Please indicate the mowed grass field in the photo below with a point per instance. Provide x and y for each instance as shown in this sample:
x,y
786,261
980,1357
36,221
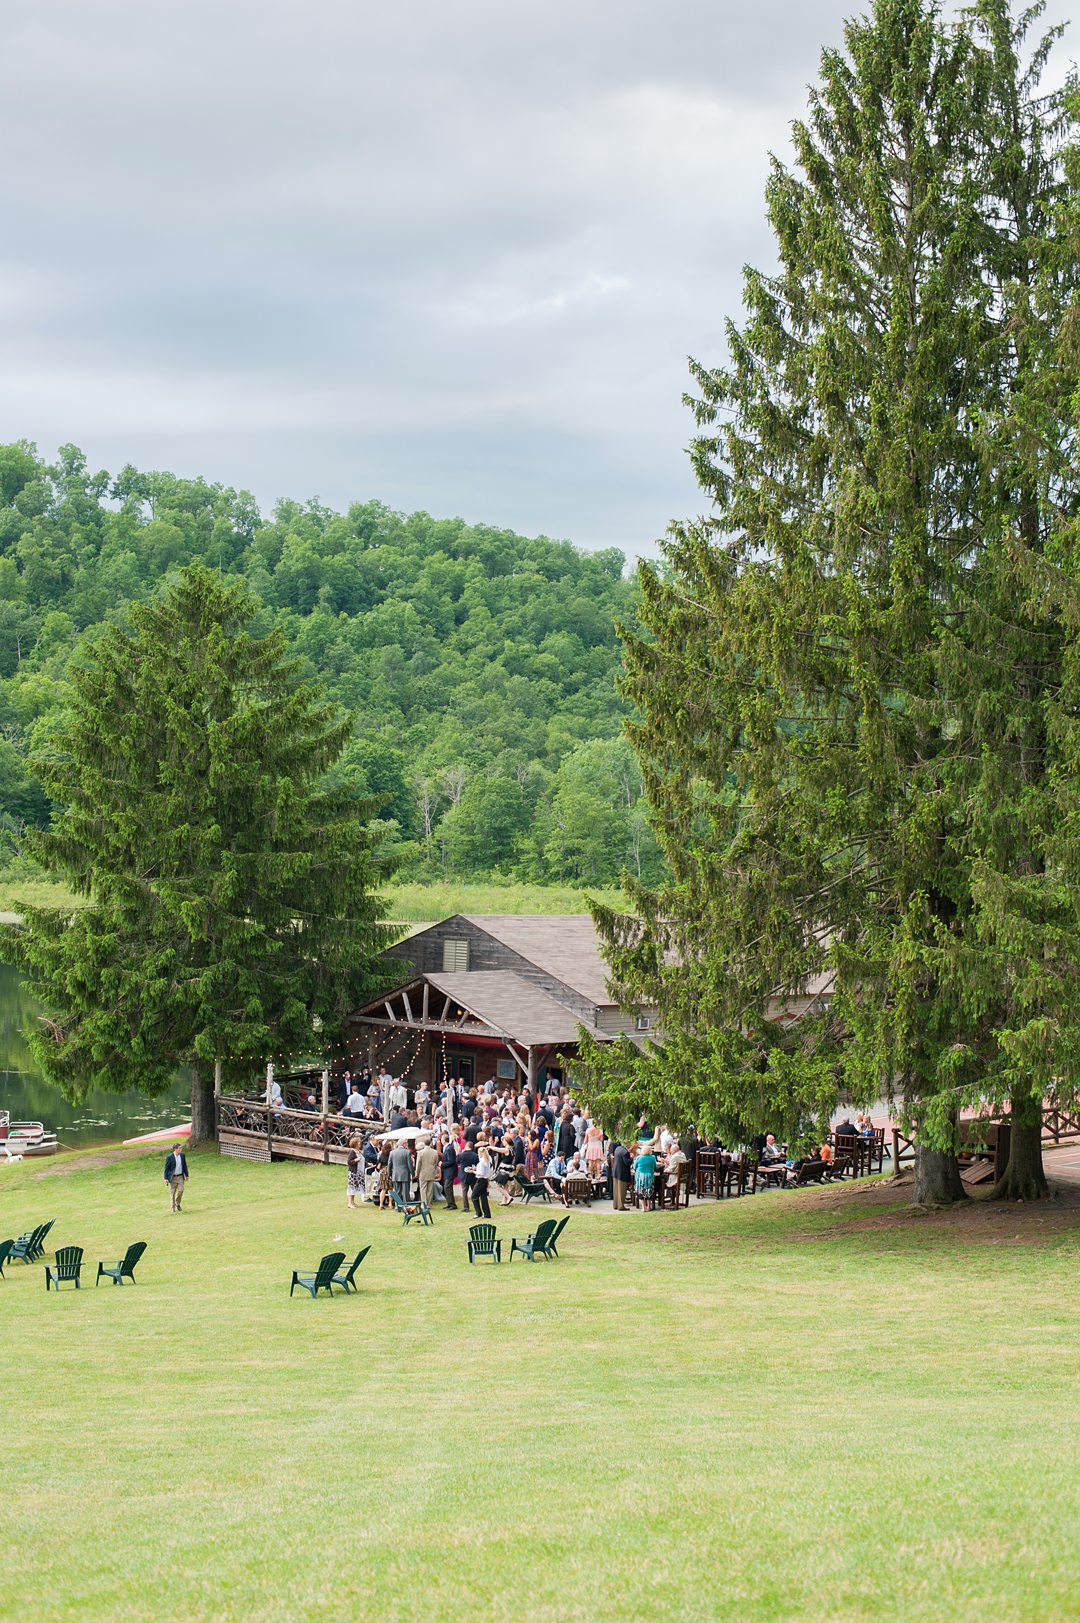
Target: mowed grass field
x,y
407,902
806,1406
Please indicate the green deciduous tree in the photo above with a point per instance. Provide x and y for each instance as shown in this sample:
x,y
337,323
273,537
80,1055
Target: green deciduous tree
x,y
854,731
450,644
230,890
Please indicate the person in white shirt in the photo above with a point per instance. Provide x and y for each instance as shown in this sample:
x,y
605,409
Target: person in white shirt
x,y
676,1159
354,1104
384,1079
483,1173
399,1096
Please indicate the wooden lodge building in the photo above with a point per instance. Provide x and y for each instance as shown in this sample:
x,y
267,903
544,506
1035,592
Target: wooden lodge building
x,y
478,997
491,997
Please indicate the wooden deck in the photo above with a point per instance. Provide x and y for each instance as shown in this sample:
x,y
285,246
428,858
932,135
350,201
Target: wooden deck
x,y
249,1130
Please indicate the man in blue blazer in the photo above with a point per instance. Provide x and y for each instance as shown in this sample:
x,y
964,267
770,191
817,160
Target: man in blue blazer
x,y
176,1175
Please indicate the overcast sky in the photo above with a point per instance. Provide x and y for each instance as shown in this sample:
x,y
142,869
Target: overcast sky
x,y
451,255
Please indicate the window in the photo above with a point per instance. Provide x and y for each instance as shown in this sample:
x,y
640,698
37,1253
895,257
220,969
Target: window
x,y
643,1022
505,1070
455,955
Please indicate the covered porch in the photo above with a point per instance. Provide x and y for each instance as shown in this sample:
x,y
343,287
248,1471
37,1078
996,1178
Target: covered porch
x,y
472,1027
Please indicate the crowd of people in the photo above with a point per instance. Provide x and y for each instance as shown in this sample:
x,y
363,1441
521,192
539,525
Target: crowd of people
x,y
776,1165
469,1147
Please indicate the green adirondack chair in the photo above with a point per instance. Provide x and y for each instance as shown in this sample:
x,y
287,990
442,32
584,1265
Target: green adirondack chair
x,y
411,1209
348,1279
5,1254
534,1243
534,1189
65,1267
124,1268
560,1225
323,1277
482,1242
31,1245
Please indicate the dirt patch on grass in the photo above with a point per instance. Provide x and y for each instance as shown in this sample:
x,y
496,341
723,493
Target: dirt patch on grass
x,y
974,1221
89,1160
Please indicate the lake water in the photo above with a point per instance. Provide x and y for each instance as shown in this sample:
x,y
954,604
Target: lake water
x,y
105,1118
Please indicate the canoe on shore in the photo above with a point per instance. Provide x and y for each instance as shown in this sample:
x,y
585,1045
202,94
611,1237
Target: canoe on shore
x,y
164,1135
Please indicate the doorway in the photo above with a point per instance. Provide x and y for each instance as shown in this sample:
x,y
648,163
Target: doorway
x,y
458,1067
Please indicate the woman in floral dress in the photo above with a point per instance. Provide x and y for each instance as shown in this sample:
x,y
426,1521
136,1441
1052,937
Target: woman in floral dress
x,y
357,1184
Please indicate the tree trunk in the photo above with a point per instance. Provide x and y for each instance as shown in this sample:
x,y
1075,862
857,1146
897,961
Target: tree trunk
x,y
937,1178
203,1112
1023,1178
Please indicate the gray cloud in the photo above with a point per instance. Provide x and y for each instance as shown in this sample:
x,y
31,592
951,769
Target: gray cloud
x,y
450,256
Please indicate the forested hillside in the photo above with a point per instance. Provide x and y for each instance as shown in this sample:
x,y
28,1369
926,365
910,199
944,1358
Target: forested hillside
x,y
479,666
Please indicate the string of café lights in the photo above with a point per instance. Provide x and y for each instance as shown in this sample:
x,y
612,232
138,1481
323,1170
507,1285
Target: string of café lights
x,y
344,1047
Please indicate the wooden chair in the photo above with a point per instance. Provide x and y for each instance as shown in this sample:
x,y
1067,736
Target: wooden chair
x,y
846,1149
667,1194
65,1268
348,1279
735,1173
868,1151
538,1242
482,1242
323,1278
410,1209
5,1254
678,1193
708,1174
577,1191
124,1268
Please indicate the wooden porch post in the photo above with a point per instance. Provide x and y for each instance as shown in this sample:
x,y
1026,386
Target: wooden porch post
x,y
531,1083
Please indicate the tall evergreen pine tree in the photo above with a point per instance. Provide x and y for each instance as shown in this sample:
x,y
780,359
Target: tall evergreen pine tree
x,y
840,785
230,892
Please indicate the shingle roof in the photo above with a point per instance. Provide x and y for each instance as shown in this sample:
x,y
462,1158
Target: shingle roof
x,y
512,1005
564,945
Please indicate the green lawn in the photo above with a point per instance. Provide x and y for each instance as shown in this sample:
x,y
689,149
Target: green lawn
x,y
765,1409
412,903
17,894
424,903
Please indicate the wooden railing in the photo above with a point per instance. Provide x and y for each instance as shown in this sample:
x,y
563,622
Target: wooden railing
x,y
1058,1122
302,1135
